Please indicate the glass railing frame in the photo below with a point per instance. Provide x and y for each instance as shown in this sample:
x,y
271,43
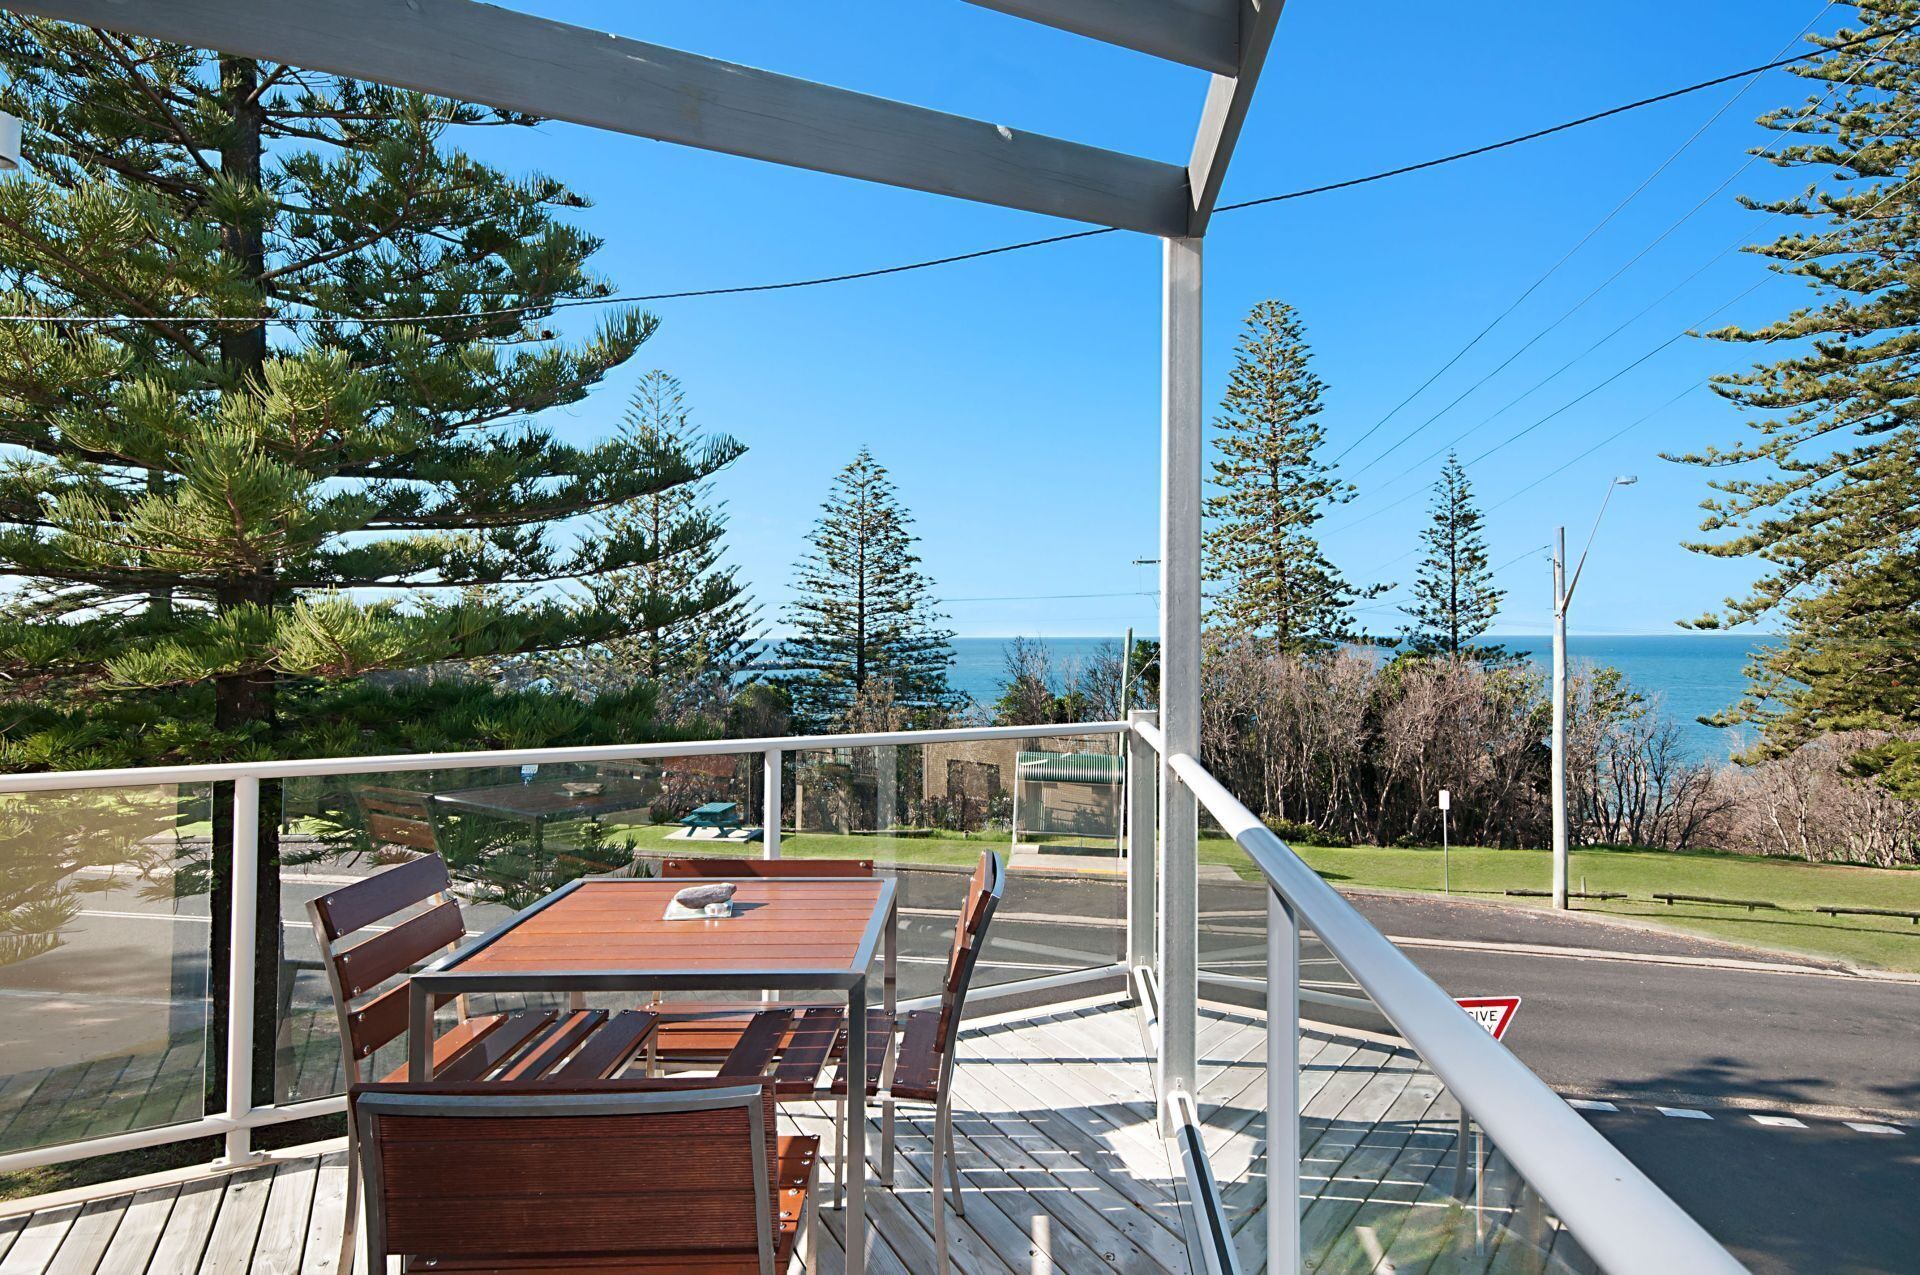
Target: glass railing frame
x,y
241,1115
1622,1220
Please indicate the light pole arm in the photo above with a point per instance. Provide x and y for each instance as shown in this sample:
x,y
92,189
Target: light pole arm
x,y
1567,595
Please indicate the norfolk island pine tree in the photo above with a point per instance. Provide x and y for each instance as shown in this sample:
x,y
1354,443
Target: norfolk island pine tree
x,y
220,523
864,623
1454,599
1824,491
1272,583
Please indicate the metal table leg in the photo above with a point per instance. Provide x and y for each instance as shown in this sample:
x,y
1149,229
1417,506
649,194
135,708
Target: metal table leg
x,y
419,1033
856,1236
889,983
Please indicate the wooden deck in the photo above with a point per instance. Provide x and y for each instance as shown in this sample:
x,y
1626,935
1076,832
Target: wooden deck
x,y
1063,1168
1057,1149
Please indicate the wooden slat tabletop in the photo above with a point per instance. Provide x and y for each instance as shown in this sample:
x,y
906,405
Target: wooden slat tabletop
x,y
779,924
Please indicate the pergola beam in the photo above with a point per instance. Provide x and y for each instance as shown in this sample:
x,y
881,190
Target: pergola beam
x,y
1228,98
480,53
1202,33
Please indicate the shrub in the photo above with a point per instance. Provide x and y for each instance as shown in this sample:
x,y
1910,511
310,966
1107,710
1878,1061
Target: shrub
x,y
1302,834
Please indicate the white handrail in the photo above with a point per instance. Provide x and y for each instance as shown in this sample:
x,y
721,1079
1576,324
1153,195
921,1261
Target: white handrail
x,y
50,780
1623,1221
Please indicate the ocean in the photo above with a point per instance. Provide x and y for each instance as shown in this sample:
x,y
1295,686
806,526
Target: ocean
x,y
1690,675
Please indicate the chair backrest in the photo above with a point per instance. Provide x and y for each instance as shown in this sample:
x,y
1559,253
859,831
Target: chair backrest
x,y
969,936
357,966
398,817
656,1169
766,868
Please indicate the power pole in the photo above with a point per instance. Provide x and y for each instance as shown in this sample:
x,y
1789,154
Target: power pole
x,y
1563,594
1560,717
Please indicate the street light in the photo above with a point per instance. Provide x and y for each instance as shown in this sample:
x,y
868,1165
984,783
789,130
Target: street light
x,y
1562,594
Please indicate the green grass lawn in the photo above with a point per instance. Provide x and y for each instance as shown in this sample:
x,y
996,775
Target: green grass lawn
x,y
1888,942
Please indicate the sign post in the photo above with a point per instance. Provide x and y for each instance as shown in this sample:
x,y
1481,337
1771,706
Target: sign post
x,y
1446,869
1495,1013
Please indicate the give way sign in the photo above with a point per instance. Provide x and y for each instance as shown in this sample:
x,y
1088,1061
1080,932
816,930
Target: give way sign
x,y
1495,1013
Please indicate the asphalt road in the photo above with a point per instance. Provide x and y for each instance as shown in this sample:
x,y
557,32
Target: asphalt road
x,y
1817,1048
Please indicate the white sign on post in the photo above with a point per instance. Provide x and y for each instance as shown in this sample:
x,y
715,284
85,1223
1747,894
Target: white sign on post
x,y
1446,799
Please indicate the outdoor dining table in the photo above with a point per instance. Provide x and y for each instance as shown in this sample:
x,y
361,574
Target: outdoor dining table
x,y
543,801
605,934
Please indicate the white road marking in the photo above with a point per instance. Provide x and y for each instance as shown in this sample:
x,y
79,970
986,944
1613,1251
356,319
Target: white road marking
x,y
1773,1122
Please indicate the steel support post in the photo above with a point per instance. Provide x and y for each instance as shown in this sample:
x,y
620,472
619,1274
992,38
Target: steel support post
x,y
1180,459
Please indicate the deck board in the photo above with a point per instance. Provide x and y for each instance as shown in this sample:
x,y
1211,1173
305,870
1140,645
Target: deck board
x,y
131,1250
38,1241
87,1239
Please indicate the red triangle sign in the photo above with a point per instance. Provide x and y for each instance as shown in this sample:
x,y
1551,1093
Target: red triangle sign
x,y
1492,1012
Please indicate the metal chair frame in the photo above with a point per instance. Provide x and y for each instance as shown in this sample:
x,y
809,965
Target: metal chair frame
x,y
945,1163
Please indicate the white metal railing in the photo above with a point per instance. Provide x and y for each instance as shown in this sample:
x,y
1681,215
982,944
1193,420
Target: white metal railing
x,y
241,1115
141,776
1622,1220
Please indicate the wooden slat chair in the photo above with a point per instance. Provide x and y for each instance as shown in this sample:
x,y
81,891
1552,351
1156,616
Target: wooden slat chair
x,y
708,1030
908,1060
621,1176
398,817
367,954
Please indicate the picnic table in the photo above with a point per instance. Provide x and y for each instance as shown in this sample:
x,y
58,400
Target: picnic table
x,y
722,817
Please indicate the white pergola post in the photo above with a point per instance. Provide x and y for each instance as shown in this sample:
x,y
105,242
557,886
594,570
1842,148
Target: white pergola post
x,y
1180,456
1143,795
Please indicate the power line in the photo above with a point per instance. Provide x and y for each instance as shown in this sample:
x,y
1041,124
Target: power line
x,y
1569,312
1547,274
1581,304
978,254
1561,468
1738,242
1057,597
1888,193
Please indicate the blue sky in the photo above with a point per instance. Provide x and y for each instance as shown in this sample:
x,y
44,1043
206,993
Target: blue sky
x,y
1015,399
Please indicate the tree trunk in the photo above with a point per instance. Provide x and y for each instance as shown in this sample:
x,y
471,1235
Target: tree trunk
x,y
244,702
